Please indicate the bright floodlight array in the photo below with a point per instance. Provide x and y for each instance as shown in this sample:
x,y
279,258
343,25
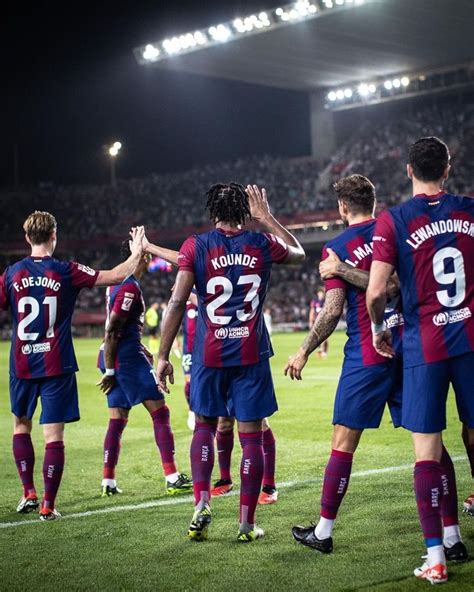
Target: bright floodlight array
x,y
249,25
115,149
367,90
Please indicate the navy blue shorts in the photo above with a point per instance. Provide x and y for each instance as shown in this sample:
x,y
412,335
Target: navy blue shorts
x,y
244,392
58,394
135,382
363,392
425,390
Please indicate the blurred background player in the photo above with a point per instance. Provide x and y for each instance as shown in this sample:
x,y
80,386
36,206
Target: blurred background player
x,y
129,379
152,321
368,381
428,240
41,292
189,332
230,268
315,307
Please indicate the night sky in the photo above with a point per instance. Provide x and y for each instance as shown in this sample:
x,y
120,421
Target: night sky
x,y
71,84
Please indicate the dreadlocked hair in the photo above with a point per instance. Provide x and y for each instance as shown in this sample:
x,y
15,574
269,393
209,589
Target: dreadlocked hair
x,y
228,203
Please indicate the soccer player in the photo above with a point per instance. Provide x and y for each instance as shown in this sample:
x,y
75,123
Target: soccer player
x,y
428,240
129,379
230,268
225,425
41,292
315,307
368,381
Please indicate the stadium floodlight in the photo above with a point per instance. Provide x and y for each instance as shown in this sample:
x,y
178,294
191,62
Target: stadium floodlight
x,y
113,151
220,33
151,52
340,95
388,85
405,81
287,14
372,88
348,93
332,96
363,89
396,83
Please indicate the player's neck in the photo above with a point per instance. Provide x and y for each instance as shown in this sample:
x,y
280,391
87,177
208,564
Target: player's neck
x,y
427,188
41,250
359,218
228,226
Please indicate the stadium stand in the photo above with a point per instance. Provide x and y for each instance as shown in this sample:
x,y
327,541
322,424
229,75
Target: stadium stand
x,y
299,191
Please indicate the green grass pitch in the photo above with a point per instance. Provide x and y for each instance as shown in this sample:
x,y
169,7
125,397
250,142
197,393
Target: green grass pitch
x,y
377,537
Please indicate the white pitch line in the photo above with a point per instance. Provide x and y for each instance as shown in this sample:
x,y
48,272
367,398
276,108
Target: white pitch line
x,y
189,499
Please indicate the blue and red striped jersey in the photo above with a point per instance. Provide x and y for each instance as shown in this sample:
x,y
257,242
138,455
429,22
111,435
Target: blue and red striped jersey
x,y
42,292
232,272
354,247
126,300
189,327
429,240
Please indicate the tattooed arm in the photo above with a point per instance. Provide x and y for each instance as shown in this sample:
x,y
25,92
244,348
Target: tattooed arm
x,y
323,327
332,267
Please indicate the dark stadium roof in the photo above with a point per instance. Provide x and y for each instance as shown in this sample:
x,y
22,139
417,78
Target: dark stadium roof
x,y
376,39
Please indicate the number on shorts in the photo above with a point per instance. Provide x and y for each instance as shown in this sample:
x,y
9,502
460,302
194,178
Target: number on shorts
x,y
50,301
456,278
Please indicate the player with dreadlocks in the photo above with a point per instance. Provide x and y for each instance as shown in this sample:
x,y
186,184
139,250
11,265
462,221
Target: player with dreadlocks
x,y
230,268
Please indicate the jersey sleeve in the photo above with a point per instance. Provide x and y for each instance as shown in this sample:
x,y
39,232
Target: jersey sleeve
x,y
187,255
385,240
82,276
278,249
335,282
3,292
125,298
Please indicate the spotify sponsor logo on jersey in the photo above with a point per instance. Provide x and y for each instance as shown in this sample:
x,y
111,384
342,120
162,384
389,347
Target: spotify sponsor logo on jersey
x,y
231,332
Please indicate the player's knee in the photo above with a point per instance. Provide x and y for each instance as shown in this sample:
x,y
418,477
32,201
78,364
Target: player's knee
x,y
22,425
427,446
213,421
248,427
345,439
53,432
118,413
226,424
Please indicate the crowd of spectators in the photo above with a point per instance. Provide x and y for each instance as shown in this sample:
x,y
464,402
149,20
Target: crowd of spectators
x,y
174,201
379,148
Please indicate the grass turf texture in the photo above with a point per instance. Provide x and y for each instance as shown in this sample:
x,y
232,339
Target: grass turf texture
x,y
377,537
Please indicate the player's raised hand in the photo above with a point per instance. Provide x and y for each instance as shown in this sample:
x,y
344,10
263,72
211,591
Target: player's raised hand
x,y
328,267
136,244
258,202
106,384
295,365
164,370
383,344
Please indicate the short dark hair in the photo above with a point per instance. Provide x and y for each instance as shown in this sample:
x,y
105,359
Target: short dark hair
x,y
357,192
228,202
429,158
125,251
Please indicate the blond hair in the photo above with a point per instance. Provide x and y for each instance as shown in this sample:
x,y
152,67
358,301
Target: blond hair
x,y
39,226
